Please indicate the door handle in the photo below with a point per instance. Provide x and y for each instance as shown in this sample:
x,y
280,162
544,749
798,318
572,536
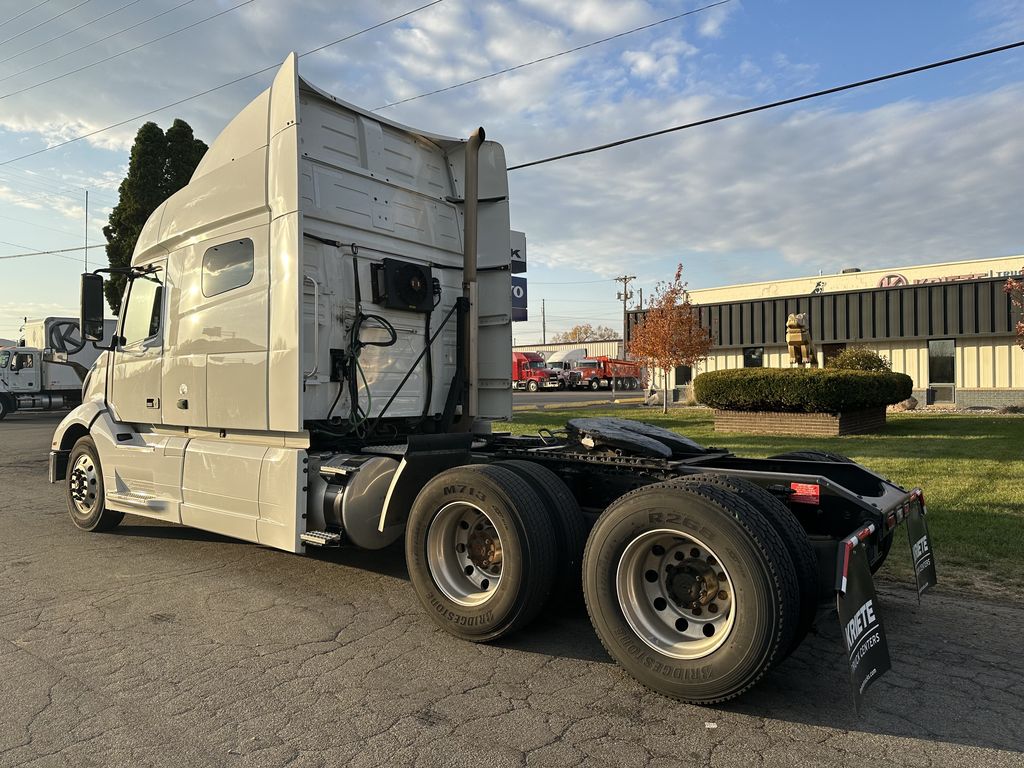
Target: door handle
x,y
183,405
152,402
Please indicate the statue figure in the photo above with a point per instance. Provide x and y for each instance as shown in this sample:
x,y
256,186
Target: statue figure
x,y
798,338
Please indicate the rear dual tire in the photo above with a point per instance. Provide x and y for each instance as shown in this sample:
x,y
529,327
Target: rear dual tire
x,y
481,552
656,562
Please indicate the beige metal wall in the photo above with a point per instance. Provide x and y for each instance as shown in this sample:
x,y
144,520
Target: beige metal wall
x,y
981,363
611,348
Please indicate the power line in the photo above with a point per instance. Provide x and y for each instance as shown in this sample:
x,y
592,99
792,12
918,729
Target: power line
x,y
130,50
573,282
216,88
56,252
38,226
772,105
18,16
65,34
41,23
94,42
552,56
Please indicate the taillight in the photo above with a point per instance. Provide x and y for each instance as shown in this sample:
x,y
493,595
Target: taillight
x,y
805,493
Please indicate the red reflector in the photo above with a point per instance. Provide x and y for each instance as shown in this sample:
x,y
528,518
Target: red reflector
x,y
805,493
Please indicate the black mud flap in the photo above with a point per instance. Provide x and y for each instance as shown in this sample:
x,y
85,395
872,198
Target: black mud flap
x,y
921,548
859,619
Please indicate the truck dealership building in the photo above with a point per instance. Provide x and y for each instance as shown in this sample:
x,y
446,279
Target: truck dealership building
x,y
949,326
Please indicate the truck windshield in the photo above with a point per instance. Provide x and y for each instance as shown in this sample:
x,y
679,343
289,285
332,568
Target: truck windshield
x,y
5,358
537,364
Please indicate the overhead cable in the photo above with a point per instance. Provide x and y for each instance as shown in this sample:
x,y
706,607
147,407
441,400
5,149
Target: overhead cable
x,y
552,56
215,88
772,105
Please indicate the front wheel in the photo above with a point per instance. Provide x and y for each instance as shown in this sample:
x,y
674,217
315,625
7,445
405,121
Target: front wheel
x,y
532,386
85,495
595,384
691,590
5,407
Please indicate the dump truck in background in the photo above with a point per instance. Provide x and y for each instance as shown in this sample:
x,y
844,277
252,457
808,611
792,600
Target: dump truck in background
x,y
315,340
46,369
606,372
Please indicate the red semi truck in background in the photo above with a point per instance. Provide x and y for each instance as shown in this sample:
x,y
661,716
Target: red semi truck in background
x,y
530,372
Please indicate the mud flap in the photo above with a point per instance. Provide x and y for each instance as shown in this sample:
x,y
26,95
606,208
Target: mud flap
x,y
921,548
859,618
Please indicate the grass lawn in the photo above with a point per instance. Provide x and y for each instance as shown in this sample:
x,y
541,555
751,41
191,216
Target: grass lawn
x,y
970,467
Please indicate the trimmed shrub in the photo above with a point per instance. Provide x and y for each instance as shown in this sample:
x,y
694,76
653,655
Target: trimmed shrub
x,y
859,359
801,390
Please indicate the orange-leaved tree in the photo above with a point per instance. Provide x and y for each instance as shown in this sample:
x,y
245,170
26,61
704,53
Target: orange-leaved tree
x,y
1016,290
670,334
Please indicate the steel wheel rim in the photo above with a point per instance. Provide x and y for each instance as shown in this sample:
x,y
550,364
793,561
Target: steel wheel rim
x,y
464,553
676,594
83,484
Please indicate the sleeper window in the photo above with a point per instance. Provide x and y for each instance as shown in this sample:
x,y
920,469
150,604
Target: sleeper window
x,y
227,266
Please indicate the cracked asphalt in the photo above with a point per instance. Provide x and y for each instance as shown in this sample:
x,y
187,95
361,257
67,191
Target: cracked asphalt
x,y
157,645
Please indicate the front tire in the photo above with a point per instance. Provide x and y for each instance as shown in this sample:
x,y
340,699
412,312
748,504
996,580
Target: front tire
x,y
595,384
531,386
691,590
84,489
480,549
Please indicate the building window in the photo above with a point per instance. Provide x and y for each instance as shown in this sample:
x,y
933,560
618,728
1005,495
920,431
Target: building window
x,y
227,266
753,357
941,361
683,375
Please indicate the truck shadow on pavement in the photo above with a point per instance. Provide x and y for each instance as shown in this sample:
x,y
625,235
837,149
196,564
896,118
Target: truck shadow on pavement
x,y
956,673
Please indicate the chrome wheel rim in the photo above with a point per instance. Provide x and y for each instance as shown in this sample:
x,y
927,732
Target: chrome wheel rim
x,y
464,553
675,594
83,484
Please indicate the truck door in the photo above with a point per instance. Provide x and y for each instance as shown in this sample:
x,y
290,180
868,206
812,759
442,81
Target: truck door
x,y
24,372
138,354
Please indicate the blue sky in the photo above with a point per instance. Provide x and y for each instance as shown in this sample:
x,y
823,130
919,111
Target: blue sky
x,y
913,171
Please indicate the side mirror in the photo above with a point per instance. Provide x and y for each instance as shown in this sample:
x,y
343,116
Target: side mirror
x,y
91,321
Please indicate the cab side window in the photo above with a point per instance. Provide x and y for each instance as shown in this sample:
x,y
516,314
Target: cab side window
x,y
142,316
227,266
5,357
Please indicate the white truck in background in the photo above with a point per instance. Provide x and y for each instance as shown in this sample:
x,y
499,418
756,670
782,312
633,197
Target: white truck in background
x,y
46,369
315,338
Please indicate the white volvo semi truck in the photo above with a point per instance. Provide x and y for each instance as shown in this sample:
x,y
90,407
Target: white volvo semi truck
x,y
313,343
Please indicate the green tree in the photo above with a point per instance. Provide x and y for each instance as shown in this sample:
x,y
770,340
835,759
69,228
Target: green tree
x,y
160,164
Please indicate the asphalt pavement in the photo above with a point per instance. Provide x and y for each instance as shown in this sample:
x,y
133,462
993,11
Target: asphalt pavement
x,y
157,645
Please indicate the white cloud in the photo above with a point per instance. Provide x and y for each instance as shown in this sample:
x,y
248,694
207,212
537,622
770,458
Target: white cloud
x,y
909,182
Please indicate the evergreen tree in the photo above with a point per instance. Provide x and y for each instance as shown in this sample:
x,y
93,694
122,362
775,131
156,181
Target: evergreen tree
x,y
184,152
160,164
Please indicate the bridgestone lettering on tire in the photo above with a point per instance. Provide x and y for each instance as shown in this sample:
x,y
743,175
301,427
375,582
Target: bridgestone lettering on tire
x,y
84,489
697,522
489,577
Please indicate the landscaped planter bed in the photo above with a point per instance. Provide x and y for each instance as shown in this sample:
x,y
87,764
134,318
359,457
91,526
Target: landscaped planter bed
x,y
782,423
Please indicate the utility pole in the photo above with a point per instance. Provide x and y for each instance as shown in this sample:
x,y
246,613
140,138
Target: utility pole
x,y
641,299
543,323
87,230
625,295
